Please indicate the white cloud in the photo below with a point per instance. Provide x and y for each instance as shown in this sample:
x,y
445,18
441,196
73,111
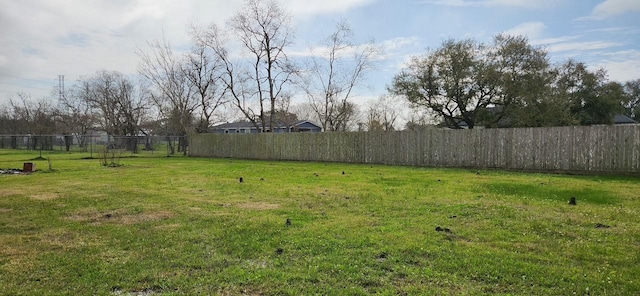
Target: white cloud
x,y
494,3
398,43
582,46
621,66
555,40
303,7
393,54
3,60
80,37
522,3
529,29
610,8
450,2
42,38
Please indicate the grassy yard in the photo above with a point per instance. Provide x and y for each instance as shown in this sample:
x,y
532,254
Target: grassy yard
x,y
165,226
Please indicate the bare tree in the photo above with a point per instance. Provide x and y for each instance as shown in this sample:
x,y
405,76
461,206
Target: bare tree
x,y
122,106
419,119
349,114
173,93
76,117
203,72
382,114
259,77
34,118
304,110
9,124
284,115
334,73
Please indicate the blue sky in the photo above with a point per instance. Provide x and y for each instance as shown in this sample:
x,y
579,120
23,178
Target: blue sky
x,y
40,39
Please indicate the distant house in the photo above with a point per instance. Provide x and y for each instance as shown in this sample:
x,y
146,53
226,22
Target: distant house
x,y
248,128
98,136
623,119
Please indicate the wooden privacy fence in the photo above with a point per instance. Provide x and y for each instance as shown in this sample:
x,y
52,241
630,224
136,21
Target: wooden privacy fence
x,y
575,148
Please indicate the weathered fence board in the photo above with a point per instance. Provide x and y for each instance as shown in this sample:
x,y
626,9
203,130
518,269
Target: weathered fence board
x,y
576,148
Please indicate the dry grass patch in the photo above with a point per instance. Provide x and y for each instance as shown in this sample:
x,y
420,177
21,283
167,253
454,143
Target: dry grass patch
x,y
120,216
145,217
173,226
61,239
45,196
10,192
9,251
258,206
116,256
18,259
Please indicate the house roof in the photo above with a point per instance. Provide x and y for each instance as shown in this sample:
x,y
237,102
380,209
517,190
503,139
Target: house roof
x,y
249,125
235,125
301,122
623,119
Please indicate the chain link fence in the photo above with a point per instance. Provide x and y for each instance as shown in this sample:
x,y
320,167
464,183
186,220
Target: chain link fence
x,y
94,144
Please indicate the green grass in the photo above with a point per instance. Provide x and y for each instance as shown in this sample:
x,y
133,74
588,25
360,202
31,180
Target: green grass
x,y
178,225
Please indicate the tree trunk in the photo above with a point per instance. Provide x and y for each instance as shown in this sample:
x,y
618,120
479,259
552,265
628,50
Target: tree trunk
x,y
170,145
68,141
148,145
133,144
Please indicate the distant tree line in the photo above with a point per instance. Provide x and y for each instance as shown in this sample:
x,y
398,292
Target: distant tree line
x,y
241,71
245,70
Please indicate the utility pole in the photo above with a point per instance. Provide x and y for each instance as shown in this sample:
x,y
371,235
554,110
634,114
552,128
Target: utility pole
x,y
61,86
68,138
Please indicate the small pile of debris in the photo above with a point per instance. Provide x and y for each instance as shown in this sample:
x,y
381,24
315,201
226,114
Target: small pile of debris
x,y
10,171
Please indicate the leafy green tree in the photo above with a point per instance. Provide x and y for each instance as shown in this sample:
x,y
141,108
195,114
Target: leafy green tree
x,y
510,83
464,82
592,100
631,99
523,75
452,81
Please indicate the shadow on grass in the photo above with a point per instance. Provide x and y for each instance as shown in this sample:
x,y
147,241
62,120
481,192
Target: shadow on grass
x,y
542,192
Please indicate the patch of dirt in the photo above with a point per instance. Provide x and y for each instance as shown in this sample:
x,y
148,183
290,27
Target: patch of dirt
x,y
119,216
3,210
258,206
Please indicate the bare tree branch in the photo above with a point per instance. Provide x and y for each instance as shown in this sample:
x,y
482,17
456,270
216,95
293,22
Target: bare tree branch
x,y
334,74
